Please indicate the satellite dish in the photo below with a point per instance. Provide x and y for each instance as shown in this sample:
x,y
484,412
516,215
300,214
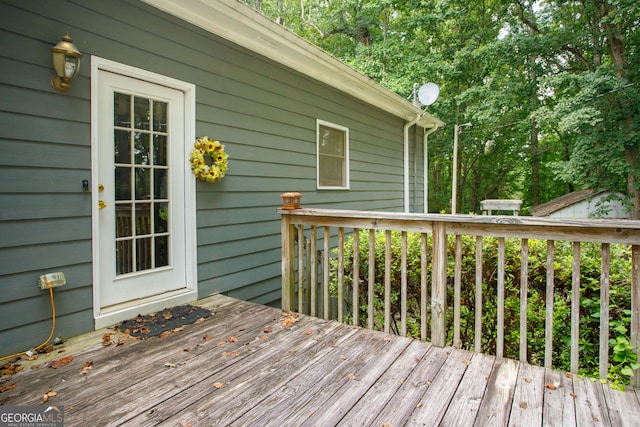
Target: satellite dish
x,y
428,93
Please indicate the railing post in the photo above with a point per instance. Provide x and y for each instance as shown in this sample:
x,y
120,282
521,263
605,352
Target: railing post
x,y
439,285
288,260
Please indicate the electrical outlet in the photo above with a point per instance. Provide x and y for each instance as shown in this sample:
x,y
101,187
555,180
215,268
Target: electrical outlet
x,y
52,280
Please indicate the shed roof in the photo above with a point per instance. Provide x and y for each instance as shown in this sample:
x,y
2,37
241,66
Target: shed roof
x,y
244,26
562,202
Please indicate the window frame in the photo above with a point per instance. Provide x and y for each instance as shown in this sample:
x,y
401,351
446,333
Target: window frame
x,y
347,181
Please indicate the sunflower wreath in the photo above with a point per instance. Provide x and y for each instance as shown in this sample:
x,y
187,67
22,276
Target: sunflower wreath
x,y
208,159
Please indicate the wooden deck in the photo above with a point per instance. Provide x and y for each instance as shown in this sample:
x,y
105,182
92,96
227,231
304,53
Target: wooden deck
x,y
251,365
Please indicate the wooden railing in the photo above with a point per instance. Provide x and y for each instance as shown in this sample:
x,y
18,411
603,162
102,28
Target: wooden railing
x,y
313,273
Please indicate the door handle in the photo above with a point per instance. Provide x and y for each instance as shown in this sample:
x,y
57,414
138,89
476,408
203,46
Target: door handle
x,y
102,204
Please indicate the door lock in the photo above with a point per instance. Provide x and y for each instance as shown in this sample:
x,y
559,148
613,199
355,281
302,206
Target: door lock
x,y
102,204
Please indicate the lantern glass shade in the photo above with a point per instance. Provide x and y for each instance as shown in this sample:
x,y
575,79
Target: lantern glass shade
x,y
66,63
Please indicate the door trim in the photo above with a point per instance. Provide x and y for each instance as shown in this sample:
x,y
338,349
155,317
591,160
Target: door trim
x,y
114,314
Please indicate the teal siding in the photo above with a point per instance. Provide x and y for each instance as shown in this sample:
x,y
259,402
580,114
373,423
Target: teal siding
x,y
264,113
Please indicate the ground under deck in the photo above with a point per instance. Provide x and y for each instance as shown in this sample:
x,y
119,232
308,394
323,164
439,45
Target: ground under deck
x,y
251,365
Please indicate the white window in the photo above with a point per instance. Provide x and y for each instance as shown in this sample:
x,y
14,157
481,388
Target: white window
x,y
332,155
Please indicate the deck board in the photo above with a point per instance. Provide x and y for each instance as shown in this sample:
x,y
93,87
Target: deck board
x,y
308,372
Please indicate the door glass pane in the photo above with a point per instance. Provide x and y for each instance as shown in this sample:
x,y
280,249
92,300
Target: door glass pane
x,y
162,251
123,221
143,254
121,110
143,183
161,217
122,146
141,113
141,148
160,183
123,183
143,219
160,150
160,116
124,257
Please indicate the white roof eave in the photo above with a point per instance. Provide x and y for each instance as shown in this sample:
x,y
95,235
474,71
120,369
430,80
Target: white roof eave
x,y
244,26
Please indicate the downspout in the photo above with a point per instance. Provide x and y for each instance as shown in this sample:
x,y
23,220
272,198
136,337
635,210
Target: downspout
x,y
406,159
425,153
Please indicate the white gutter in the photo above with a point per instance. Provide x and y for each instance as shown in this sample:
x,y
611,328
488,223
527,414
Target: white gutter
x,y
425,153
405,135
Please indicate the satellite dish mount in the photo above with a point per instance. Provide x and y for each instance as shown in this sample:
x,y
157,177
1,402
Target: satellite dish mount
x,y
426,95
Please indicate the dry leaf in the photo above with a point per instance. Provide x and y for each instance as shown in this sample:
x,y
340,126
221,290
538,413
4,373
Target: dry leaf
x,y
61,362
343,357
527,379
524,405
207,337
572,394
308,332
232,339
230,353
419,405
569,375
218,385
86,368
7,387
48,394
169,365
187,349
164,335
268,331
220,343
178,329
467,362
106,339
351,376
387,339
551,386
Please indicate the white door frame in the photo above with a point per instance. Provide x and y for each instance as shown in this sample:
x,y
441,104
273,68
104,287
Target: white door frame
x,y
106,317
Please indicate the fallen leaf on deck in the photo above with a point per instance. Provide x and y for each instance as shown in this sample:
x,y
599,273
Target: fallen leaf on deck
x,y
61,362
230,353
86,368
351,376
178,329
551,386
268,331
169,365
572,394
7,387
232,339
524,405
387,338
207,337
308,332
467,362
166,315
201,319
289,318
48,394
569,375
220,343
106,339
187,349
9,368
34,357
164,335
419,405
527,379
218,385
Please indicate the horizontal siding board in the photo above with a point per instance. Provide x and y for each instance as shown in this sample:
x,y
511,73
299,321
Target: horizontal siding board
x,y
58,181
39,232
44,257
39,206
43,154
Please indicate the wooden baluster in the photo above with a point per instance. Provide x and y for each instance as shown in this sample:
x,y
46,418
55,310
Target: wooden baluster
x,y
524,297
604,311
477,346
356,276
403,286
635,307
326,300
307,282
387,281
340,274
423,286
372,277
500,300
300,267
575,308
457,284
548,324
439,285
314,272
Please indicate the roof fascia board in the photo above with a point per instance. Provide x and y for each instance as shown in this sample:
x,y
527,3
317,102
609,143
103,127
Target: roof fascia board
x,y
242,25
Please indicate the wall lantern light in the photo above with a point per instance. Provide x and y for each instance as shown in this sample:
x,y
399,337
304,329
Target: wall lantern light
x,y
66,62
291,201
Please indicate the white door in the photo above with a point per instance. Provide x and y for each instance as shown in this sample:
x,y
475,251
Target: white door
x,y
140,165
